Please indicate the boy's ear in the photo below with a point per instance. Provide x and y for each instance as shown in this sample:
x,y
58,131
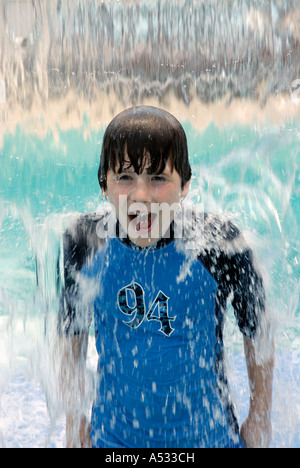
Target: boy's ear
x,y
186,189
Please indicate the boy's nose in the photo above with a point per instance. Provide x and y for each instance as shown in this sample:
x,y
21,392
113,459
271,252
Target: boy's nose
x,y
141,192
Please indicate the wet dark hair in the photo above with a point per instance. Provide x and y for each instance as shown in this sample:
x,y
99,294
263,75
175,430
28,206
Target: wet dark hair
x,y
140,130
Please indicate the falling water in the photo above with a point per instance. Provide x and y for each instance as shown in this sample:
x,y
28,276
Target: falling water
x,y
230,72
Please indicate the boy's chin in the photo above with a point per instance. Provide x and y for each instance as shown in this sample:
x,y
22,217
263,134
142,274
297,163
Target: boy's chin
x,y
141,238
143,242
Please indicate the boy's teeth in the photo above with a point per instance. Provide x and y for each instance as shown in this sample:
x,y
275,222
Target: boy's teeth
x,y
142,220
140,215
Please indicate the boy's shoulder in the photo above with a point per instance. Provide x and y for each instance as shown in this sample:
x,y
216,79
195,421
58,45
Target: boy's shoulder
x,y
84,225
81,238
212,232
221,232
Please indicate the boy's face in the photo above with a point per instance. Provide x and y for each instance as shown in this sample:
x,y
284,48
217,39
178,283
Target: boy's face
x,y
145,203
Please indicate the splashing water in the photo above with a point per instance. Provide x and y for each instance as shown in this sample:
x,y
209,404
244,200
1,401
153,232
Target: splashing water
x,y
228,71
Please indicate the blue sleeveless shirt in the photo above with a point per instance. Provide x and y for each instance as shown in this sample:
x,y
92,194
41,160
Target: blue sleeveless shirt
x,y
157,345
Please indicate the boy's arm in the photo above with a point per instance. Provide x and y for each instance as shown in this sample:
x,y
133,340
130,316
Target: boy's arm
x,y
249,301
73,351
256,431
73,329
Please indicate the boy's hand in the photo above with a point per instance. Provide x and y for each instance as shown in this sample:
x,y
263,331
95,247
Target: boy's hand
x,y
256,433
84,433
78,436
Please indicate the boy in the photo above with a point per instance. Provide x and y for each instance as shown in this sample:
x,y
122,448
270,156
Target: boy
x,y
159,295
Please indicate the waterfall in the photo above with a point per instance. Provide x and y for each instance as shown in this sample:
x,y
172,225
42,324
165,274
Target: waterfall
x,y
230,72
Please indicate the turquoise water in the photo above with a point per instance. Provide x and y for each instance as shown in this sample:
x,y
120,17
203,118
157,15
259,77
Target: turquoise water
x,y
250,173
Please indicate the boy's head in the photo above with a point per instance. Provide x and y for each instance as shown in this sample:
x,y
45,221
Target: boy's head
x,y
144,171
143,130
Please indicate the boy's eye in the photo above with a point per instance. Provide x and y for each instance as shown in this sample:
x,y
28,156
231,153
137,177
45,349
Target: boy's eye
x,y
158,178
124,178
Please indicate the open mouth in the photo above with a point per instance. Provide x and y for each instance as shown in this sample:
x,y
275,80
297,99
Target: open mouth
x,y
141,222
